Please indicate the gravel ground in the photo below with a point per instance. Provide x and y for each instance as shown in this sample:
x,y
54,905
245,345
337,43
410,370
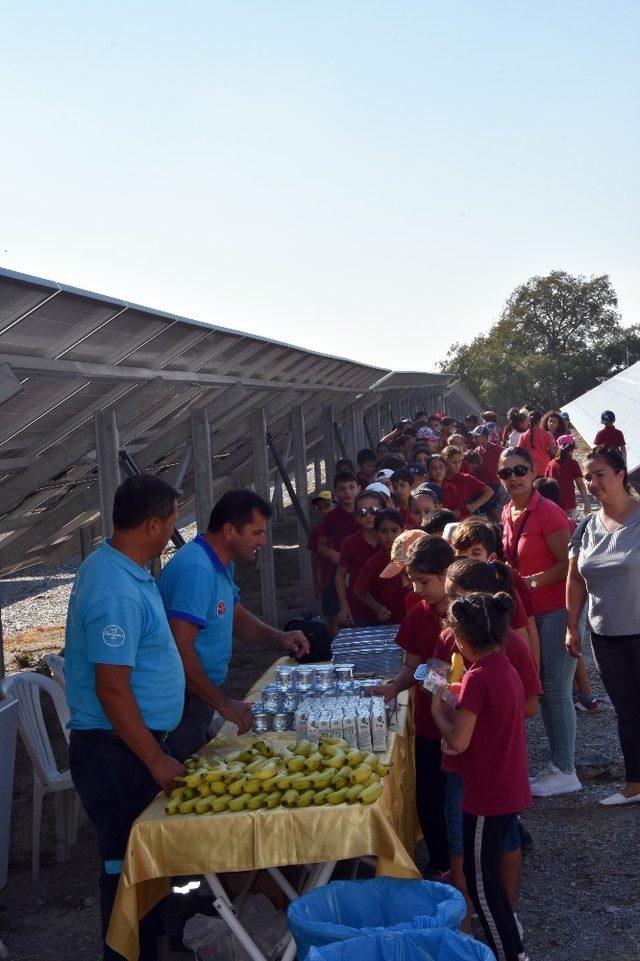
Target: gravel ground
x,y
580,897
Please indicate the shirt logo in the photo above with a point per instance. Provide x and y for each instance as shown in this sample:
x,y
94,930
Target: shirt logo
x,y
221,608
113,635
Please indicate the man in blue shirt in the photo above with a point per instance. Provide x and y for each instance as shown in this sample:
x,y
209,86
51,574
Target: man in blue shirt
x,y
124,679
204,611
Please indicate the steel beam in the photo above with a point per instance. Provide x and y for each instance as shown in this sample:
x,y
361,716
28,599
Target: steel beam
x,y
301,479
108,459
261,473
202,466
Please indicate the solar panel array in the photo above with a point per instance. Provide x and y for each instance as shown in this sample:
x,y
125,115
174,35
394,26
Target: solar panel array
x,y
66,354
621,394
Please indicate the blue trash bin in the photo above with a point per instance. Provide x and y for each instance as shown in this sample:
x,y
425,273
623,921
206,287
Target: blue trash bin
x,y
343,910
437,944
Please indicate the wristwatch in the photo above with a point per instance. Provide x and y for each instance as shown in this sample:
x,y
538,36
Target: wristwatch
x,y
532,582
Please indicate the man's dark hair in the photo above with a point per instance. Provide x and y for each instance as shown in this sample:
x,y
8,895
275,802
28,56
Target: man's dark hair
x,y
404,474
364,455
392,463
437,520
344,463
388,515
474,530
548,488
237,507
343,477
141,497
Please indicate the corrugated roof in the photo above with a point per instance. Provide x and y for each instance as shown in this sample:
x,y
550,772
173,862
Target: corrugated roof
x,y
621,394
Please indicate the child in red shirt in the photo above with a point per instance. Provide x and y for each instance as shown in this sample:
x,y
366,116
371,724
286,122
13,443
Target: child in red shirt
x,y
401,483
566,472
356,550
472,493
367,467
321,567
427,563
609,434
486,729
383,600
437,473
338,524
540,443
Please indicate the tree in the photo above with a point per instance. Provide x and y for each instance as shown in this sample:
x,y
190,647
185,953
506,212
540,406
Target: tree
x,y
557,337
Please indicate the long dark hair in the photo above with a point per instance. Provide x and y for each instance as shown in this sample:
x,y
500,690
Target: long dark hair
x,y
471,574
563,427
612,457
481,619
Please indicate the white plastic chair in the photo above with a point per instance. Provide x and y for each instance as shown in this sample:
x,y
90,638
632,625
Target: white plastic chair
x,y
26,687
55,663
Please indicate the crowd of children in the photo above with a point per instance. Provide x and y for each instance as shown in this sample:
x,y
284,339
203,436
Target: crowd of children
x,y
410,535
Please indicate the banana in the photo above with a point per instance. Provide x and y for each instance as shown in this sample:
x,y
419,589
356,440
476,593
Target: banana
x,y
289,798
371,794
263,748
176,793
339,782
258,801
236,788
305,799
314,761
334,742
204,789
302,783
347,773
283,782
273,799
255,765
239,803
202,806
361,773
253,786
188,793
381,769
173,806
219,804
247,755
332,749
457,668
234,773
322,779
371,759
195,779
270,783
187,807
354,793
321,797
337,760
218,788
268,770
296,763
374,778
232,756
216,775
355,757
304,748
283,752
337,797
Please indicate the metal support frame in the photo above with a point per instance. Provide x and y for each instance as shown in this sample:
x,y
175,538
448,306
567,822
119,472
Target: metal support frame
x,y
261,474
108,461
276,500
329,441
202,465
133,470
317,472
300,466
284,474
86,541
351,438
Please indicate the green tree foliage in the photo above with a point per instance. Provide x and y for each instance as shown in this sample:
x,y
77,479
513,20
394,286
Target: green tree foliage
x,y
558,336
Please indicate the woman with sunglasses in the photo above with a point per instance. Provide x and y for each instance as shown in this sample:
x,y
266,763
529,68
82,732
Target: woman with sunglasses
x,y
536,537
605,568
355,552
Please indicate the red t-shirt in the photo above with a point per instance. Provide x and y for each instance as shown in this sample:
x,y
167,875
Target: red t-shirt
x,y
450,496
354,554
469,488
495,776
540,518
488,470
337,525
419,634
407,518
365,481
326,567
610,436
388,591
411,600
565,473
517,653
523,591
537,442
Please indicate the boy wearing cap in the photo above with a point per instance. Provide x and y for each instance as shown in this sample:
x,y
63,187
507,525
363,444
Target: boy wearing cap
x,y
321,567
609,434
384,476
356,550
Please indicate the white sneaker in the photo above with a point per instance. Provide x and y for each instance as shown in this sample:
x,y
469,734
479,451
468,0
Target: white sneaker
x,y
518,925
555,782
544,771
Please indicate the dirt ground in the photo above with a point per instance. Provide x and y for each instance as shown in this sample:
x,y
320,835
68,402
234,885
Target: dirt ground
x,y
580,897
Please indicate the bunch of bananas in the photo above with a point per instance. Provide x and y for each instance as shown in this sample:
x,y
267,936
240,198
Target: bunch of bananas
x,y
267,775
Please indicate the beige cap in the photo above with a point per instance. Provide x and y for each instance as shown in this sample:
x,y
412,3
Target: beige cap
x,y
400,552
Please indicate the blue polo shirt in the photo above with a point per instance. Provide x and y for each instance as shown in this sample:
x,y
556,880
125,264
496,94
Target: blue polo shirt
x,y
196,587
116,616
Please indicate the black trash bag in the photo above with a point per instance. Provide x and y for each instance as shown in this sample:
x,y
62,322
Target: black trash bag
x,y
317,633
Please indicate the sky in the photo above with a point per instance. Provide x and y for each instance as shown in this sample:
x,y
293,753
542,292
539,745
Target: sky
x,y
370,179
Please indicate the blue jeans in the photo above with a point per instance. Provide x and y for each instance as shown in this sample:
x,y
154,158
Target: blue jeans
x,y
557,669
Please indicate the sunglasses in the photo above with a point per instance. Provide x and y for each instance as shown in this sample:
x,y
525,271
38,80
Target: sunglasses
x,y
519,470
363,511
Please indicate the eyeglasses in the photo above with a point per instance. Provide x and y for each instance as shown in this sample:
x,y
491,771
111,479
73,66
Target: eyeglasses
x,y
363,511
519,470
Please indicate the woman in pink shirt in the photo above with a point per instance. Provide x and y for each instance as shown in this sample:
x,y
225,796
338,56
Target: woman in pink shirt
x,y
536,537
539,443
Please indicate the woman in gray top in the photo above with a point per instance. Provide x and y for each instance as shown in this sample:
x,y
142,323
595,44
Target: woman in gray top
x,y
605,564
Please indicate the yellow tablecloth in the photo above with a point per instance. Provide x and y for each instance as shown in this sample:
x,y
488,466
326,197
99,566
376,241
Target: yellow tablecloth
x,y
161,847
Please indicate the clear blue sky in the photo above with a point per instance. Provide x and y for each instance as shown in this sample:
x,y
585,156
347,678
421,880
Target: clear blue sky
x,y
368,179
